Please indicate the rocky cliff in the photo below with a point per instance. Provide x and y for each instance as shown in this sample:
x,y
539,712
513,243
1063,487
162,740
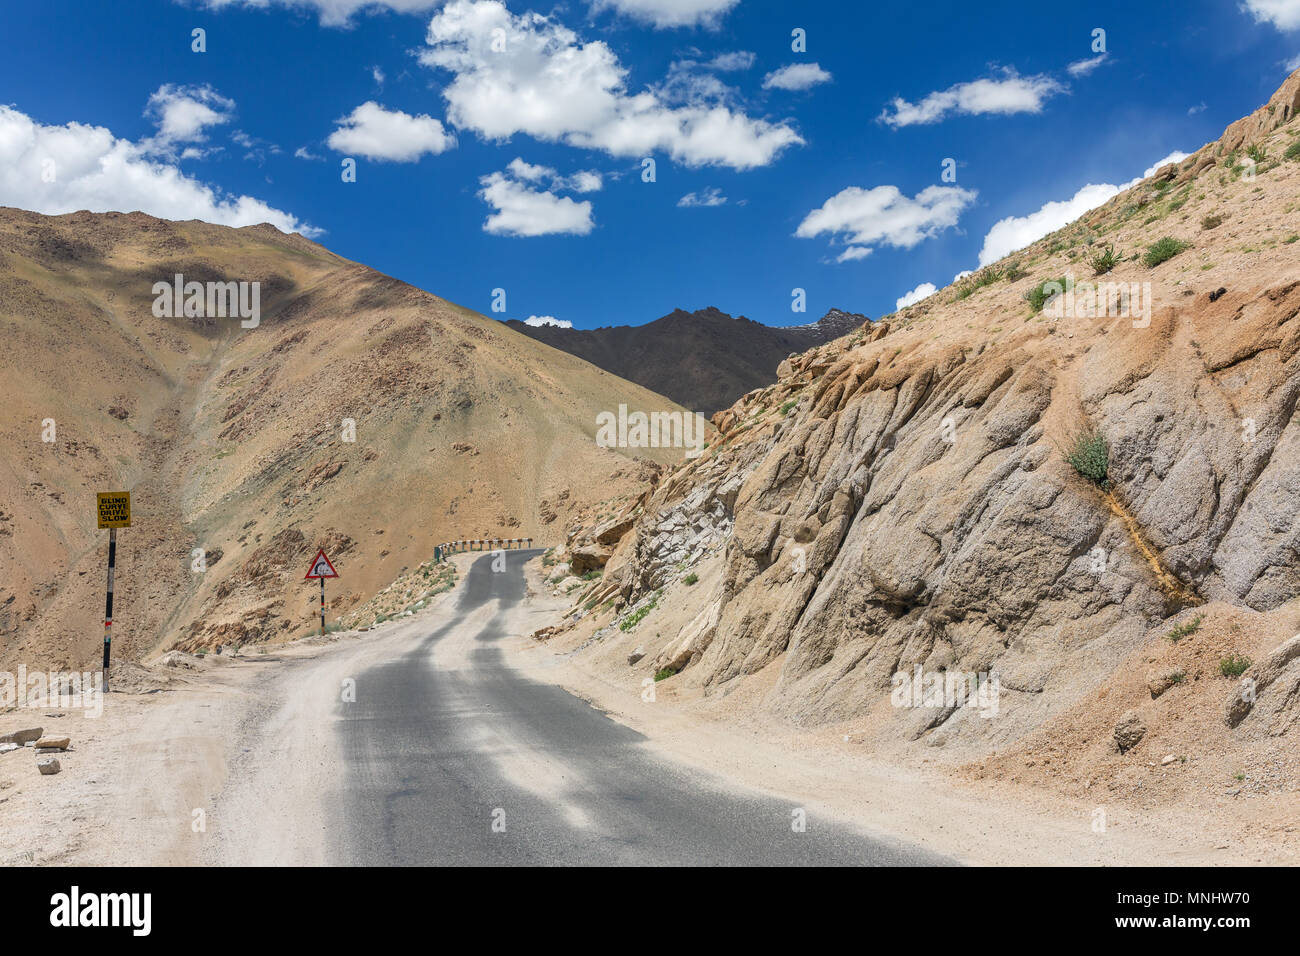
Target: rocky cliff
x,y
902,498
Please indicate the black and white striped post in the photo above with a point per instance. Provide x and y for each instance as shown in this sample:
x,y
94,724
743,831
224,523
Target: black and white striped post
x,y
108,601
113,509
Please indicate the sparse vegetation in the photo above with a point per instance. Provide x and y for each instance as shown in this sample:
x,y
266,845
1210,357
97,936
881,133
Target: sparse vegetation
x,y
664,673
1162,251
1211,221
1090,457
1234,665
691,578
635,618
1293,151
592,575
1105,260
1186,628
1041,294
785,409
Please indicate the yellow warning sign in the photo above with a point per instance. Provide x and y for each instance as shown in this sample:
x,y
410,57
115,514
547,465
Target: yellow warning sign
x,y
114,509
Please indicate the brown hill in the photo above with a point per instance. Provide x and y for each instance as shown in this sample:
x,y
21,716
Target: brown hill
x,y
705,360
232,440
902,499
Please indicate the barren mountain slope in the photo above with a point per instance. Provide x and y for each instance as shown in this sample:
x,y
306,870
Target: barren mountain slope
x,y
705,359
901,498
232,440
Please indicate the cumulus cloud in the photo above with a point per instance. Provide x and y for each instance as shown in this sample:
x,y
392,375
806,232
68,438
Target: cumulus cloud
x,y
1084,67
183,115
334,13
1016,232
524,211
528,74
1283,14
924,290
709,196
669,13
1011,93
884,216
796,76
539,320
583,181
61,169
374,132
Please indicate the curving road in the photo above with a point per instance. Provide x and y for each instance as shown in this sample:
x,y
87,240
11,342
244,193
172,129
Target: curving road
x,y
450,756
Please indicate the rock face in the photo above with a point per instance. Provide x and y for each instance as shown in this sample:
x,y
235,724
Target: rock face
x,y
901,498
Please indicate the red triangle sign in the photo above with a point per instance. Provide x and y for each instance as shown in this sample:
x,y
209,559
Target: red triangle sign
x,y
321,567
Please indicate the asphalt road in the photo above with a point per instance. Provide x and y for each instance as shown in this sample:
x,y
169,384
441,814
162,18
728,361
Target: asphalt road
x,y
474,764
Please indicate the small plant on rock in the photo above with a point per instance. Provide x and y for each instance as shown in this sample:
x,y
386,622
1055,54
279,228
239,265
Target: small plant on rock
x,y
1090,457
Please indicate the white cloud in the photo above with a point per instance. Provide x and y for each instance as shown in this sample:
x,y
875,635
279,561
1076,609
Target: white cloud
x,y
1084,67
1016,232
1283,14
528,74
884,216
796,76
709,196
1201,107
963,274
378,133
96,171
1010,94
334,13
520,210
732,62
540,320
924,290
670,13
1293,64
183,113
853,253
377,75
302,152
583,181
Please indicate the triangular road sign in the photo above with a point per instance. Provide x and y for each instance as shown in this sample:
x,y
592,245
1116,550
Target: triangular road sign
x,y
321,567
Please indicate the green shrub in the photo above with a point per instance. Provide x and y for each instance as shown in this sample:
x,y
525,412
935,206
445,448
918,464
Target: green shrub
x,y
1293,151
1090,457
1044,292
1234,665
1105,260
1014,272
1187,627
664,673
1162,251
592,575
785,409
1211,221
1258,153
691,578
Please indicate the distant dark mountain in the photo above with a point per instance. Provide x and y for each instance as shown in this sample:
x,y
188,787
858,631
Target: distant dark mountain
x,y
704,360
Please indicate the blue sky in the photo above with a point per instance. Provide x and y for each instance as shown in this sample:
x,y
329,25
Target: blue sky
x,y
502,145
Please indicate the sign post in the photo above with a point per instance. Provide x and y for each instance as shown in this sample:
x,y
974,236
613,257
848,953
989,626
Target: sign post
x,y
113,509
321,568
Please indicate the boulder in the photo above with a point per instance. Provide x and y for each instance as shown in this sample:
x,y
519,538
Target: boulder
x,y
1129,731
590,556
21,737
48,766
53,743
635,656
